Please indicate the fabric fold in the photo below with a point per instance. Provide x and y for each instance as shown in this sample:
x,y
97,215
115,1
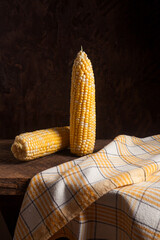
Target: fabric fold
x,y
57,195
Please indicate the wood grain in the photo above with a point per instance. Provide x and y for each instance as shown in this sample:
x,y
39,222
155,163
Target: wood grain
x,y
38,43
15,175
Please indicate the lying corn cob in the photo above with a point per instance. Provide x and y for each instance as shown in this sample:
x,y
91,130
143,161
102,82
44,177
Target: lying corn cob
x,y
31,145
82,106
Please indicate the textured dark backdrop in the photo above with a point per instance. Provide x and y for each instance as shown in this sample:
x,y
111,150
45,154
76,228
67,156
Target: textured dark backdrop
x,y
39,40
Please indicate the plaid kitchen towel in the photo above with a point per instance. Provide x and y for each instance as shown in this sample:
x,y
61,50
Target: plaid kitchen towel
x,y
128,213
56,196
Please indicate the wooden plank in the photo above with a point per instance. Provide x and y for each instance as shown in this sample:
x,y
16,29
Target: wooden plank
x,y
15,175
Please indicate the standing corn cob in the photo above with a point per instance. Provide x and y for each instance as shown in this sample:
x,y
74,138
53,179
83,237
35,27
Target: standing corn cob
x,y
31,145
82,106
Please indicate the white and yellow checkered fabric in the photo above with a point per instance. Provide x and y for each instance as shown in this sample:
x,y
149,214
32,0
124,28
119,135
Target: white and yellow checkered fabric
x,y
111,194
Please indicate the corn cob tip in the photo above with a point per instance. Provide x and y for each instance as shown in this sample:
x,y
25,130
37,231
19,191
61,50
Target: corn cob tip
x,y
81,48
18,149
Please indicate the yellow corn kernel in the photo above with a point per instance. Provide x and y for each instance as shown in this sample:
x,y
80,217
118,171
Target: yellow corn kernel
x,y
82,106
31,145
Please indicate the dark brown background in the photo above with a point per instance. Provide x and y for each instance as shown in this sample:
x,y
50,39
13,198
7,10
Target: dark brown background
x,y
38,42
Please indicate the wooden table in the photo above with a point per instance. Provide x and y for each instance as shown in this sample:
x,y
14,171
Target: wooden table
x,y
15,176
